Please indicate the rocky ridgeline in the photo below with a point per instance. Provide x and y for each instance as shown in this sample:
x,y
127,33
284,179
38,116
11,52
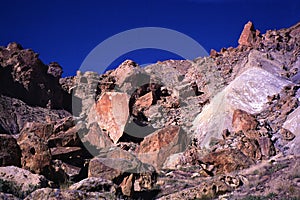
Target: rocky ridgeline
x,y
220,127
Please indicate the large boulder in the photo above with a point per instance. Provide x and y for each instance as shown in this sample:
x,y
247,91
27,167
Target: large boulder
x,y
15,114
94,184
124,169
10,153
111,112
96,139
20,182
129,76
36,155
158,146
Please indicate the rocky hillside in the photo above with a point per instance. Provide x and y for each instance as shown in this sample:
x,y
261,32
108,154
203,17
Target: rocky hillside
x,y
220,127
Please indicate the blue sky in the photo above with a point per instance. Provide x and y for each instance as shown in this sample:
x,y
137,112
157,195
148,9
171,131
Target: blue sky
x,y
66,31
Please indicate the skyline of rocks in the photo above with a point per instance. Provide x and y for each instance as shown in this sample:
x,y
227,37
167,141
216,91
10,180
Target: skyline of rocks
x,y
223,126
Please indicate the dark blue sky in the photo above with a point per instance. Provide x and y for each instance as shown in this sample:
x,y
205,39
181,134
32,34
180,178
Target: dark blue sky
x,y
66,31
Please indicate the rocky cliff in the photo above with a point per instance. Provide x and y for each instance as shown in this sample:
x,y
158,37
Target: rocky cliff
x,y
219,127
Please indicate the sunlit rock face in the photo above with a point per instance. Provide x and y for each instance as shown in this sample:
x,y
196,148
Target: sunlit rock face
x,y
112,113
248,92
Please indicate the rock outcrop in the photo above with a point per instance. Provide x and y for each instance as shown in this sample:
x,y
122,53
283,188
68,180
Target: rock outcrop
x,y
158,146
26,77
36,155
224,126
112,113
10,153
249,35
248,92
124,169
20,182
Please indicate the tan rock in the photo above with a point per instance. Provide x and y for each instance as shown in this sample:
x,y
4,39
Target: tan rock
x,y
158,146
213,53
127,185
36,155
112,113
228,160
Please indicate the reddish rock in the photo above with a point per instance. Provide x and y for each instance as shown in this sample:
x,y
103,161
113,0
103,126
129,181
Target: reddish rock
x,y
112,113
248,35
58,152
10,153
36,155
243,121
143,103
158,146
228,160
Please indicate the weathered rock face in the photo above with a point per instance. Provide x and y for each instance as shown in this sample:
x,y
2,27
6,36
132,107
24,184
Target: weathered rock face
x,y
124,169
82,87
15,113
94,184
96,138
112,113
158,146
10,153
128,76
228,160
20,182
248,92
36,155
24,76
238,107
